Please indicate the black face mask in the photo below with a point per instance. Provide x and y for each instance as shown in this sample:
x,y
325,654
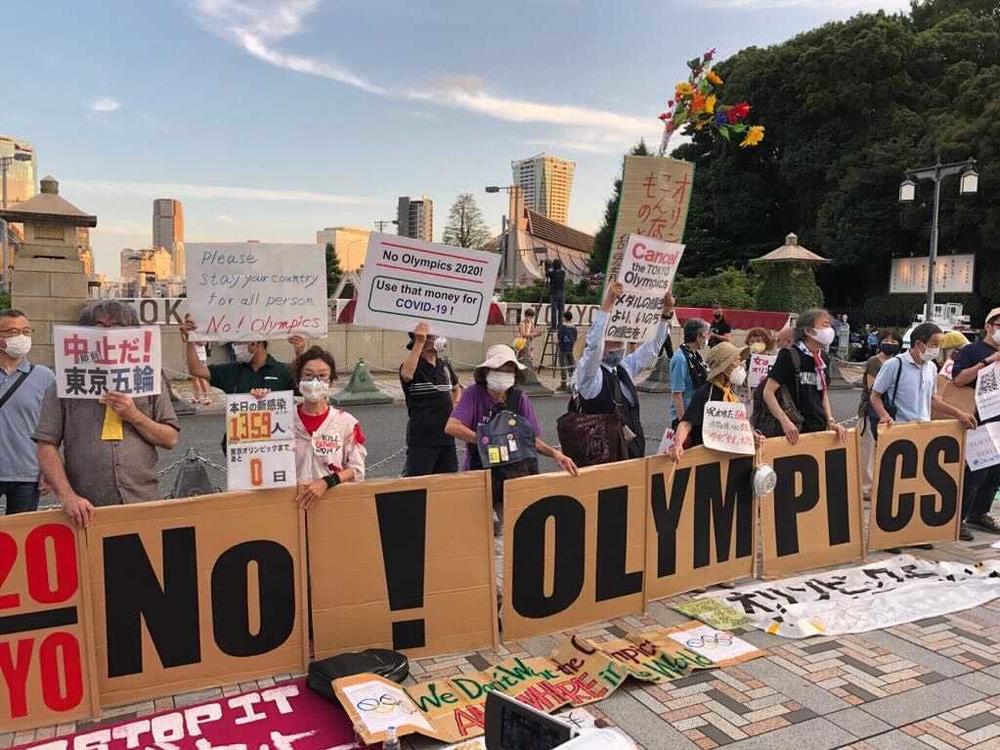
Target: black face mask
x,y
889,350
718,316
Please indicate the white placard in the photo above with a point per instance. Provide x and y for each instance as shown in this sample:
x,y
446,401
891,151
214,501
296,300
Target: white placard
x,y
952,273
726,428
988,391
260,442
717,645
406,281
91,361
380,705
982,446
251,291
760,366
647,271
667,441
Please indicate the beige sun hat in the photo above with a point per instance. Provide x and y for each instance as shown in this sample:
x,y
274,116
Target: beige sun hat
x,y
497,356
721,356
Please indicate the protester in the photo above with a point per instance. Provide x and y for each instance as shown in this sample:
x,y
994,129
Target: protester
x,y
720,328
759,341
527,331
100,471
688,372
329,443
979,487
605,374
784,337
22,388
431,390
890,343
725,372
951,344
567,342
556,276
804,370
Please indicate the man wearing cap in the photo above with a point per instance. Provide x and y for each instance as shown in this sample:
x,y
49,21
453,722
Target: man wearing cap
x,y
431,389
979,487
604,374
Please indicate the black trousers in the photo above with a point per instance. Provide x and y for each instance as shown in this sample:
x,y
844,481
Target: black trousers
x,y
430,459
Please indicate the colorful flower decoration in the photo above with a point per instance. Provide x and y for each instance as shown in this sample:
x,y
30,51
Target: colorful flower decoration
x,y
697,105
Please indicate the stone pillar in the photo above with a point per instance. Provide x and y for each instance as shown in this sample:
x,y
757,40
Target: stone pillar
x,y
49,291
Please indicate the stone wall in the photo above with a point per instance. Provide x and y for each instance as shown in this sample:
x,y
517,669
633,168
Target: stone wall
x,y
49,291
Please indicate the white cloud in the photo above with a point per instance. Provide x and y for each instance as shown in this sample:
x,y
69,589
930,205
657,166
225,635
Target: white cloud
x,y
831,5
105,104
181,190
225,219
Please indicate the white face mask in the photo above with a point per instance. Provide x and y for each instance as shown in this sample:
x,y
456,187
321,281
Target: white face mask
x,y
18,346
242,353
314,390
440,343
931,353
738,377
499,382
824,336
996,336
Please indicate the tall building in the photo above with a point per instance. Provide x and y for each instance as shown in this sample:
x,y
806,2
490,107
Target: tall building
x,y
546,183
22,176
416,218
168,231
350,243
86,253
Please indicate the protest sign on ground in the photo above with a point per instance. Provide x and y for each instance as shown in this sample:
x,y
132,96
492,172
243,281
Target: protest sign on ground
x,y
647,273
917,484
405,281
988,391
252,291
760,366
726,428
260,441
982,446
91,361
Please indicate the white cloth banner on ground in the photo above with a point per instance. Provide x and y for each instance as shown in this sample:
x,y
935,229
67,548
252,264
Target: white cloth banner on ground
x,y
988,391
760,366
868,597
260,441
982,446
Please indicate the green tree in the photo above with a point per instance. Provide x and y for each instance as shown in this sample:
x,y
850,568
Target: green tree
x,y
4,300
788,287
605,235
465,227
333,271
730,287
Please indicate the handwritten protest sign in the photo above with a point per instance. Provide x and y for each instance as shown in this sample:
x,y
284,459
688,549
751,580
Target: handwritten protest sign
x,y
647,271
760,366
405,281
248,291
726,428
92,361
982,446
259,441
988,391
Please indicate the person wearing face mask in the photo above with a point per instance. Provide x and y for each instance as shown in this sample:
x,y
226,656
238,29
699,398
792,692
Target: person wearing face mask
x,y
804,370
720,328
329,443
22,389
431,390
889,341
979,487
688,372
759,341
605,374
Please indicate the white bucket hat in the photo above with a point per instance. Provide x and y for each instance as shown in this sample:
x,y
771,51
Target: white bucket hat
x,y
497,356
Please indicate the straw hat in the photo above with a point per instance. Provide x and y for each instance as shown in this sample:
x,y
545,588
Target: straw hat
x,y
721,356
497,356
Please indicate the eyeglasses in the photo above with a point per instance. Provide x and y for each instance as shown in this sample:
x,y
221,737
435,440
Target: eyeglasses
x,y
9,332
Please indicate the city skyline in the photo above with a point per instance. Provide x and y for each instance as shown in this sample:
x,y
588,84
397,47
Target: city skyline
x,y
287,116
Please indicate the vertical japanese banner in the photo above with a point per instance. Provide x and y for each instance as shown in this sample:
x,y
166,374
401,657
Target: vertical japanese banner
x,y
91,361
260,441
647,272
47,673
656,193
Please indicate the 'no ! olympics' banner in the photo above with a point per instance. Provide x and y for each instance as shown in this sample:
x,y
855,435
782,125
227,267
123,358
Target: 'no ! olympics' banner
x,y
171,596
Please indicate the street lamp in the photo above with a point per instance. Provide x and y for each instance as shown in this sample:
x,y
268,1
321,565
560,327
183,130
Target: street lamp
x,y
510,251
968,185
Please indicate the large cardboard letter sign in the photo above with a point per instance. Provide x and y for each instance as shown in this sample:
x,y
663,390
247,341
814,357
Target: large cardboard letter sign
x,y
917,484
573,548
196,593
813,517
46,663
701,521
404,564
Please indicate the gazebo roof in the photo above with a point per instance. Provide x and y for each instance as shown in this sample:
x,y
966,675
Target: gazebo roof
x,y
48,206
789,252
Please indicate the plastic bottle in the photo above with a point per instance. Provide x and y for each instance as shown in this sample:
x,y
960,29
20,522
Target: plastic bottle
x,y
391,741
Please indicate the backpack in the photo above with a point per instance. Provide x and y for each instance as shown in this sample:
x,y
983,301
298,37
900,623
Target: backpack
x,y
871,417
505,444
763,420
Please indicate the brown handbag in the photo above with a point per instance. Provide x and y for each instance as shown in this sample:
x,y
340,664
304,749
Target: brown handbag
x,y
957,396
591,439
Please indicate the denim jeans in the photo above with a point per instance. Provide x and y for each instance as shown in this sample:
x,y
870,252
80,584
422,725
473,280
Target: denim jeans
x,y
21,497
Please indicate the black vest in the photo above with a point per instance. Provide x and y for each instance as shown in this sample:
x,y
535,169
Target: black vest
x,y
612,385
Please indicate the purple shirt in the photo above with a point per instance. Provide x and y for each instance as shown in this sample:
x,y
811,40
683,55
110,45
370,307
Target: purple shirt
x,y
476,403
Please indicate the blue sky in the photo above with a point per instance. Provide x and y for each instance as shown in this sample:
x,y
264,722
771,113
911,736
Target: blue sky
x,y
272,119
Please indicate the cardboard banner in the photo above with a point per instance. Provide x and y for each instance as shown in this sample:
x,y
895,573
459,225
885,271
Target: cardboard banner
x,y
405,281
197,593
253,291
577,672
988,391
917,484
405,564
656,192
647,272
726,427
982,446
91,361
260,441
880,595
46,660
573,548
700,527
760,366
812,519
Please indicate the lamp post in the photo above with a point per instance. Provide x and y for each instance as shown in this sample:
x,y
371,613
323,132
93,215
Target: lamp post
x,y
510,250
968,184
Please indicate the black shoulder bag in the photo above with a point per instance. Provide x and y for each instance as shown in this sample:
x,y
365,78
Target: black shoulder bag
x,y
15,385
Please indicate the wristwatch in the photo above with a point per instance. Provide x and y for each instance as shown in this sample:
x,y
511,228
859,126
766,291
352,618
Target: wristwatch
x,y
332,480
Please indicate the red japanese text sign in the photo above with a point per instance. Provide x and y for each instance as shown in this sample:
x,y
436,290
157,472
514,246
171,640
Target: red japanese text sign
x,y
92,361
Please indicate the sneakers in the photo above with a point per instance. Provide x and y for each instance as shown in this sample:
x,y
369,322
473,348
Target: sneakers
x,y
986,522
964,534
